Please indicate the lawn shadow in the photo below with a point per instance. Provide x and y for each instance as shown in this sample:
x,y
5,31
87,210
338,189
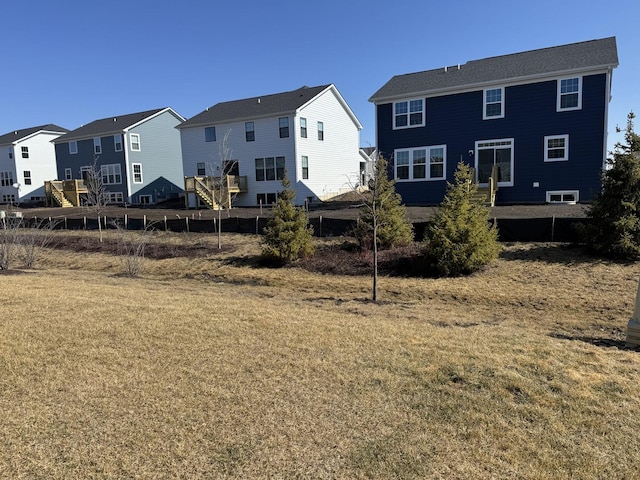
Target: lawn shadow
x,y
558,253
597,341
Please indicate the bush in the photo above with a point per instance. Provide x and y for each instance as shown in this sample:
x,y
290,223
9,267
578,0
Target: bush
x,y
614,227
383,203
288,235
460,240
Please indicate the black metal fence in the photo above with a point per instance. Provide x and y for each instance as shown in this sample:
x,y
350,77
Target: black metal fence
x,y
548,229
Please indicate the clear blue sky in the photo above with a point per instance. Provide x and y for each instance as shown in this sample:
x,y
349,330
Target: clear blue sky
x,y
71,62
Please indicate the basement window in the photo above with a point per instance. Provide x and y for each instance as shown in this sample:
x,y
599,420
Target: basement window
x,y
569,197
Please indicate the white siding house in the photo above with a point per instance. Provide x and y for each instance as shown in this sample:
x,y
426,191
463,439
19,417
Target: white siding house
x,y
27,160
311,132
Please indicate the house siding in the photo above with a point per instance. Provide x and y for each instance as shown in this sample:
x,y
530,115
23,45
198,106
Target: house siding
x,y
530,114
161,158
267,144
41,163
334,163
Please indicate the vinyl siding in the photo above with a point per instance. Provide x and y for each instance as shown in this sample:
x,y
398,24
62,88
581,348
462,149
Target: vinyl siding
x,y
267,144
530,115
160,156
334,163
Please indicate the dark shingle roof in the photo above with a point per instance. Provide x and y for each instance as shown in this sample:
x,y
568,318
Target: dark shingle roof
x,y
16,135
255,107
108,126
534,63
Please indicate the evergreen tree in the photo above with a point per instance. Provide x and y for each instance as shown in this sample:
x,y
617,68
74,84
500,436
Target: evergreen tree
x,y
383,209
288,235
459,240
614,228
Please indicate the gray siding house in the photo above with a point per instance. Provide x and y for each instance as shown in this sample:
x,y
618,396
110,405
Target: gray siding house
x,y
138,155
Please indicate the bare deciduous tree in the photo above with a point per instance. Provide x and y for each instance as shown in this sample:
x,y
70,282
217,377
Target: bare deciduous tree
x,y
97,194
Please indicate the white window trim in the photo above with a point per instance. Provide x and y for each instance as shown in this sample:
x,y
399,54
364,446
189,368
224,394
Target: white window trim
x,y
575,193
408,102
566,148
117,172
114,197
427,164
67,174
512,166
115,142
133,171
485,103
150,197
132,142
97,145
559,95
74,150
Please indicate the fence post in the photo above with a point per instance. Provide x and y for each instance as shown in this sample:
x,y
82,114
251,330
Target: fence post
x,y
187,222
165,223
257,217
126,221
84,219
553,228
215,226
320,227
144,222
66,226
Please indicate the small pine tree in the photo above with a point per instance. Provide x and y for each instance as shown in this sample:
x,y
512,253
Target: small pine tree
x,y
385,204
614,228
288,235
460,240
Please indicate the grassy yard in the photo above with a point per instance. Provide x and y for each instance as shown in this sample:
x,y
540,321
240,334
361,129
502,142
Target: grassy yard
x,y
209,366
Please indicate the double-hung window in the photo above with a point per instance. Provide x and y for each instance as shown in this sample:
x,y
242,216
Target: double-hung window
x,y
111,174
409,113
303,127
137,172
135,142
201,169
25,152
209,134
283,123
27,177
73,147
305,167
493,103
97,146
421,163
269,168
556,148
569,94
117,142
67,174
249,132
321,131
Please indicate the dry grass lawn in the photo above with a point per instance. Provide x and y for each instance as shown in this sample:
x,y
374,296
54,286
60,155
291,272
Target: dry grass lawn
x,y
211,367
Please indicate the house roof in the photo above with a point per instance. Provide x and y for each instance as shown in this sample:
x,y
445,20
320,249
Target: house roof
x,y
560,60
256,107
17,135
113,125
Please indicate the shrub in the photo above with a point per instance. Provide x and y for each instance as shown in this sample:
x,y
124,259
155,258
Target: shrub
x,y
460,240
288,235
614,227
385,206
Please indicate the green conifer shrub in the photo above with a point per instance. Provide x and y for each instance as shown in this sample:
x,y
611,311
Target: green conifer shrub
x,y
383,203
614,216
288,235
460,240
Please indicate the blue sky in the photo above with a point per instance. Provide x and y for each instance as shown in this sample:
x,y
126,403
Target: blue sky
x,y
71,62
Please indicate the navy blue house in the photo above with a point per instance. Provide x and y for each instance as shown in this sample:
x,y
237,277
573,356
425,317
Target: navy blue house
x,y
539,116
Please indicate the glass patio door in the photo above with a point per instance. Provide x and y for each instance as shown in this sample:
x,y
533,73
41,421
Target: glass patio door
x,y
498,153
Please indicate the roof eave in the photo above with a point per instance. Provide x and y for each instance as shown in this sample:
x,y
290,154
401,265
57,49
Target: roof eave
x,y
502,82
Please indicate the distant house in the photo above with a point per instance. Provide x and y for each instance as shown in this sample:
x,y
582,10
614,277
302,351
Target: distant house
x,y
310,132
536,121
27,159
138,155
